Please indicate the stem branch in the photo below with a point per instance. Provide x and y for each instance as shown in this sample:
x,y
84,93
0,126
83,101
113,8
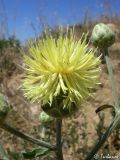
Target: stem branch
x,y
99,143
116,119
112,78
27,137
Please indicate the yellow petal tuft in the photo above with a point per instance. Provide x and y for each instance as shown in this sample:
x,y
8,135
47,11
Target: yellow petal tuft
x,y
62,67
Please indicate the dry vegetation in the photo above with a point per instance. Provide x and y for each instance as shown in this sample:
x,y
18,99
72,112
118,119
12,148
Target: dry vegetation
x,y
81,131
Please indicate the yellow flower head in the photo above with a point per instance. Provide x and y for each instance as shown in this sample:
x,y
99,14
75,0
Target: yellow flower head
x,y
63,68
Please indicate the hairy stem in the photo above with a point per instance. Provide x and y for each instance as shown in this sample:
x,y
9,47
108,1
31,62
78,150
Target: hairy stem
x,y
112,78
58,140
116,119
27,137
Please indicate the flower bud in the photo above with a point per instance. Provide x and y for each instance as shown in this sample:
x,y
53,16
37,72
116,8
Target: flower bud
x,y
102,36
45,118
4,108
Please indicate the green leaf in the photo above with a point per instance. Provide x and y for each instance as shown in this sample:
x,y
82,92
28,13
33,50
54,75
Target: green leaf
x,y
104,107
36,152
3,153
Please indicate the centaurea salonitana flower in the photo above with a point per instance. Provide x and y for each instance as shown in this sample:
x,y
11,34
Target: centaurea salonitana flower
x,y
60,72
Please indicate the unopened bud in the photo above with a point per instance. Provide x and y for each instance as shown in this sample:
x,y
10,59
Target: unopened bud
x,y
45,118
102,36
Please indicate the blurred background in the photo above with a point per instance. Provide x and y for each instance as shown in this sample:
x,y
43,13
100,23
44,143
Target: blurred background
x,y
24,20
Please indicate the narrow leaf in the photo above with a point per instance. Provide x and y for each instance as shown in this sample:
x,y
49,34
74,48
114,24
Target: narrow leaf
x,y
36,152
104,107
3,153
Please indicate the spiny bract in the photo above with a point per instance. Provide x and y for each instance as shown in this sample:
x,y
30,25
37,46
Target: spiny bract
x,y
60,67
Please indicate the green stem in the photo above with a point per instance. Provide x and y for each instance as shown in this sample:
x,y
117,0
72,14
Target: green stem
x,y
104,137
58,140
98,145
112,78
116,119
27,137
